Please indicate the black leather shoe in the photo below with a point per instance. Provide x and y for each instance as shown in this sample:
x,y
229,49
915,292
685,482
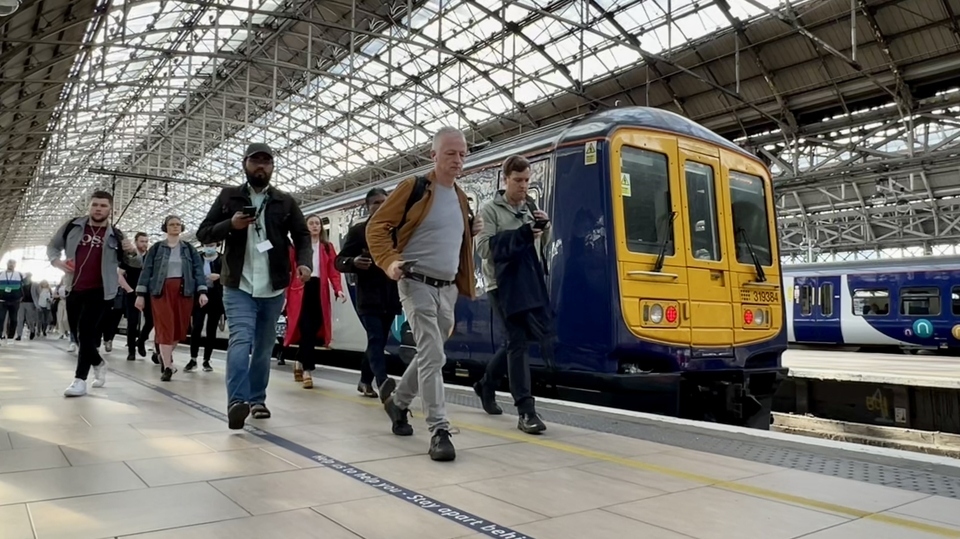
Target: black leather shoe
x,y
531,423
441,448
488,398
401,425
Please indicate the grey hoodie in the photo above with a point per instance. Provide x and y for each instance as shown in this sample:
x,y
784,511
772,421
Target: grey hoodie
x,y
498,216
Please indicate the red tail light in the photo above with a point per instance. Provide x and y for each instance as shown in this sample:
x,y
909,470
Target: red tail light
x,y
748,317
671,314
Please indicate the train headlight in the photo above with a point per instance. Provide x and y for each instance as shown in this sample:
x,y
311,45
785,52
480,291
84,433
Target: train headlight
x,y
656,314
758,317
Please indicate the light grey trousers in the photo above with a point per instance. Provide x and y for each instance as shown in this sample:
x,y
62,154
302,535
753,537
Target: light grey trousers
x,y
29,315
429,310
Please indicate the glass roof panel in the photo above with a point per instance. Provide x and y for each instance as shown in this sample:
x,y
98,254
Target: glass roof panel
x,y
126,116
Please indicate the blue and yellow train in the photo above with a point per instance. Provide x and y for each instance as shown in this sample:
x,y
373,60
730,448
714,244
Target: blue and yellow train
x,y
663,265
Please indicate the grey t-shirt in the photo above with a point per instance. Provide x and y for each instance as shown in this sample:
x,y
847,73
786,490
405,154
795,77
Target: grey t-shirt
x,y
175,264
435,244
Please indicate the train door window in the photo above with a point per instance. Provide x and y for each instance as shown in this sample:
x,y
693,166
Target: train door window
x,y
955,300
920,301
806,300
826,299
647,208
751,227
702,204
871,302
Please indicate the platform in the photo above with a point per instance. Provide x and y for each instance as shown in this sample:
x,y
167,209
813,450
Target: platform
x,y
155,460
920,370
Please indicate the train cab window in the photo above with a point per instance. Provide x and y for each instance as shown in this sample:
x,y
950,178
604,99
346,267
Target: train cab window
x,y
871,302
955,300
826,299
806,300
647,209
702,203
751,225
920,301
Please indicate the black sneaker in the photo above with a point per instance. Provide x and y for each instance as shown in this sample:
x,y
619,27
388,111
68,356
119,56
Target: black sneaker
x,y
155,357
191,365
441,448
401,426
167,375
131,356
142,349
207,367
237,415
488,398
387,388
260,411
531,423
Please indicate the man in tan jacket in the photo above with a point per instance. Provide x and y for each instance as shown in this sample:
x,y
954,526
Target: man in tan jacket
x,y
428,247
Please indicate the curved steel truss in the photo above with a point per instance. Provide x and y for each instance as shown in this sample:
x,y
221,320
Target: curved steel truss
x,y
155,99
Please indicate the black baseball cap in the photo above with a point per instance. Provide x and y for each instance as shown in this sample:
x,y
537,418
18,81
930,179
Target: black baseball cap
x,y
258,147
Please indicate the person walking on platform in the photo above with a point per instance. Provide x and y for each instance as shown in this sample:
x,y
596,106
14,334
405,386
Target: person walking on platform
x,y
172,275
255,221
211,312
514,232
129,277
94,250
44,302
28,315
422,237
378,301
309,312
11,294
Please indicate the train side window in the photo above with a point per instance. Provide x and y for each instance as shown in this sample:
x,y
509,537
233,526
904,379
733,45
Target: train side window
x,y
806,300
702,203
955,300
920,301
826,299
871,302
647,208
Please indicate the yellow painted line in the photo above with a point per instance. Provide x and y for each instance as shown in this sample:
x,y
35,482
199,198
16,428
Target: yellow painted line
x,y
760,492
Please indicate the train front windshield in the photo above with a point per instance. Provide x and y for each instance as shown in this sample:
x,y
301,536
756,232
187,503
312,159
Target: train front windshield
x,y
750,224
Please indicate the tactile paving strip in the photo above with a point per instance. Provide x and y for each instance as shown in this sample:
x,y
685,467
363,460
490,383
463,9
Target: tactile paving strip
x,y
892,472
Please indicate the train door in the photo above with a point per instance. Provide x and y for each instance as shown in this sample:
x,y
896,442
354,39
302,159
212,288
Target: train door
x,y
816,314
708,272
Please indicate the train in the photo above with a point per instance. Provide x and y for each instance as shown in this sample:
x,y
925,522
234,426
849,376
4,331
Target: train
x,y
663,266
908,304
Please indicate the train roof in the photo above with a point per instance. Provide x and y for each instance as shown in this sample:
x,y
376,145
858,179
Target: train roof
x,y
883,265
596,125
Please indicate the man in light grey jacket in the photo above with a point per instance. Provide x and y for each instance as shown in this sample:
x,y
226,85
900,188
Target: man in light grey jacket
x,y
94,249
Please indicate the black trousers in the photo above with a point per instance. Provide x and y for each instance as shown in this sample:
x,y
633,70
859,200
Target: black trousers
x,y
111,322
11,310
133,320
211,314
512,355
311,320
147,325
86,310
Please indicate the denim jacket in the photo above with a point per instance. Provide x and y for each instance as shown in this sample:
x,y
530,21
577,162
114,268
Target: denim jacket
x,y
155,266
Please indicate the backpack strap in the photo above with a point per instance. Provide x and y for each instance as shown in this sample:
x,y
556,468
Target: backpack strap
x,y
420,184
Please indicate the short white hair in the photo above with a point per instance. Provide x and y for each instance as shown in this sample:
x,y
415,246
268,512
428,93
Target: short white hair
x,y
444,131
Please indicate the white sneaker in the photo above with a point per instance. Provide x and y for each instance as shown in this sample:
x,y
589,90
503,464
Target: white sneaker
x,y
73,347
108,346
77,389
100,374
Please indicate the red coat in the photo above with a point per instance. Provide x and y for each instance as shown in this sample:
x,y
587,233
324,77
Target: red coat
x,y
295,296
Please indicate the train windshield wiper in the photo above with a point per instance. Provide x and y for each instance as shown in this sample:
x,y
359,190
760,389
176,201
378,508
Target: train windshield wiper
x,y
662,253
753,254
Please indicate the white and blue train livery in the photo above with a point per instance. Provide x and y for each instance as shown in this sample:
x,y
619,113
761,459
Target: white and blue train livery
x,y
912,303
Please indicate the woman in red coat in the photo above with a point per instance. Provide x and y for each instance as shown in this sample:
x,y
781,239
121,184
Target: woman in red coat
x,y
309,319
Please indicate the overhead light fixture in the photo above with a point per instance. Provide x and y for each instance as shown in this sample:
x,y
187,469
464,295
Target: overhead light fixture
x,y
8,7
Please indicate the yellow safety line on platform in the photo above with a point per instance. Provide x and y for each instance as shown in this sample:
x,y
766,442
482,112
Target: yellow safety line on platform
x,y
933,529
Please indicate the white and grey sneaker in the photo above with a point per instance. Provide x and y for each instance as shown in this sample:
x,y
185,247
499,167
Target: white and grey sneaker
x,y
73,347
100,374
77,389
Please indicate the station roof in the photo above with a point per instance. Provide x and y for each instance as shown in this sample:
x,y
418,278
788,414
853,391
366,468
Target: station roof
x,y
156,100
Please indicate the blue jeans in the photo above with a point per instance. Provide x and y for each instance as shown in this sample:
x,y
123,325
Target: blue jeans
x,y
253,328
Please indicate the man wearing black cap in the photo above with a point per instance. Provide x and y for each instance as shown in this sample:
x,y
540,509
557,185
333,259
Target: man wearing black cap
x,y
253,221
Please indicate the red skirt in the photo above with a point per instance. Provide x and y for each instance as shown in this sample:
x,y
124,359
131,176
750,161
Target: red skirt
x,y
171,313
